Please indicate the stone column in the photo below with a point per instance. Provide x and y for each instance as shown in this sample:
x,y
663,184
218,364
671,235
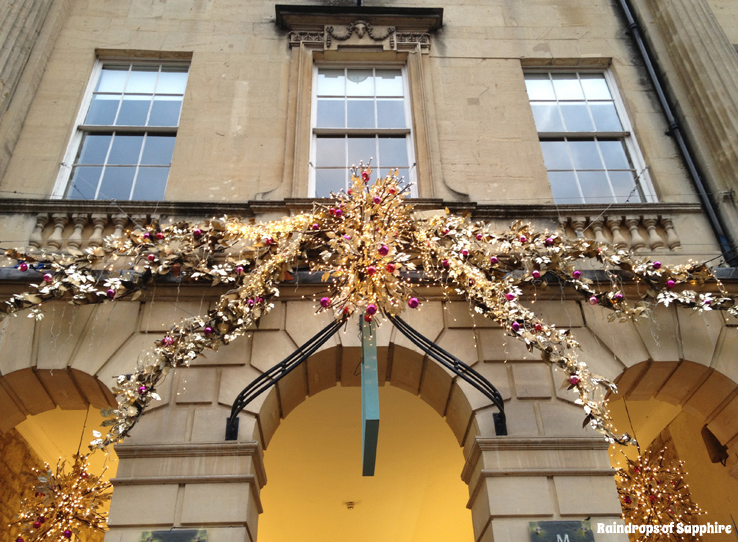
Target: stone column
x,y
513,481
701,67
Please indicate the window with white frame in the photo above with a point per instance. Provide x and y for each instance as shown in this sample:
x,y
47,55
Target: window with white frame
x,y
359,113
122,147
588,148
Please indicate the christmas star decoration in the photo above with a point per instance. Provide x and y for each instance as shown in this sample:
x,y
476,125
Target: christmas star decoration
x,y
652,491
62,505
373,251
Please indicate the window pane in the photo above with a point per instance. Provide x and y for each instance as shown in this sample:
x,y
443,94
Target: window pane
x,y
172,80
150,183
605,117
126,149
331,113
165,111
158,150
564,187
94,149
330,152
389,83
84,182
595,86
362,149
117,183
112,79
103,109
133,111
547,117
360,113
391,114
595,187
359,83
331,83
329,180
567,87
576,118
614,154
585,155
623,184
539,87
393,152
142,80
556,155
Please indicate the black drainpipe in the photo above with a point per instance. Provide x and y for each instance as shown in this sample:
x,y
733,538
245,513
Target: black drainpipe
x,y
676,132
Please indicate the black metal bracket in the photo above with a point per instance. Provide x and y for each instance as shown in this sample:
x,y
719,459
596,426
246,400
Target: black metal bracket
x,y
464,371
269,378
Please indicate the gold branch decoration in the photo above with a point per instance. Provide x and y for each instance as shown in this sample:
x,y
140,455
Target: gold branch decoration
x,y
372,250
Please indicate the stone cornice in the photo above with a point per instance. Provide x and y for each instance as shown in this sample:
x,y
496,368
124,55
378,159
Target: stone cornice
x,y
300,17
255,207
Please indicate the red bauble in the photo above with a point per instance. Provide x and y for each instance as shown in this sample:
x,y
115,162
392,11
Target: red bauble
x,y
538,327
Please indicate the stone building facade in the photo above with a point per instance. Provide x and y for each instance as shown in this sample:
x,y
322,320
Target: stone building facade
x,y
244,116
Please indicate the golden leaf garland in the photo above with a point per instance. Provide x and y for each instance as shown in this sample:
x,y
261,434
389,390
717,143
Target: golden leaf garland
x,y
653,492
371,249
62,505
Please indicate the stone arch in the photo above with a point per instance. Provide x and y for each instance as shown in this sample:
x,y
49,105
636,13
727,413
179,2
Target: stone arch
x,y
698,389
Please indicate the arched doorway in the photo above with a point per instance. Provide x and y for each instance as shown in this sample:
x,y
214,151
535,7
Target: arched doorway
x,y
316,491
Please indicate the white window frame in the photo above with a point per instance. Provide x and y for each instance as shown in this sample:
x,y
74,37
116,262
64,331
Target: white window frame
x,y
627,136
80,129
407,132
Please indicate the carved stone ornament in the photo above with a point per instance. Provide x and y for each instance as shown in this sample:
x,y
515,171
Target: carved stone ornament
x,y
360,34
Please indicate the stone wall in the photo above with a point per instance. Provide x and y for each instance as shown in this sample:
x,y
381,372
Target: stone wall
x,y
16,458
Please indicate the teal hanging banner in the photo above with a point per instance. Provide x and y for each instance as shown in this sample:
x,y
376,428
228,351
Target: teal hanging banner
x,y
369,397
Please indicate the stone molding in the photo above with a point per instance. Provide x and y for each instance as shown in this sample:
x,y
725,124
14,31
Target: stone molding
x,y
220,449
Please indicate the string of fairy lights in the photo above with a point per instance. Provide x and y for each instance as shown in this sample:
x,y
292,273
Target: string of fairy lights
x,y
372,250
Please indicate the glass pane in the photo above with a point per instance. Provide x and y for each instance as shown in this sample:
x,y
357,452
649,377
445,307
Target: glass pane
x,y
125,149
360,113
142,80
165,111
576,118
150,183
393,152
556,155
605,117
539,87
330,152
564,187
614,154
585,155
362,149
158,150
331,113
331,83
360,83
389,83
133,111
567,87
547,117
595,86
103,109
84,182
623,184
595,187
329,180
391,114
172,80
116,183
94,149
112,79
